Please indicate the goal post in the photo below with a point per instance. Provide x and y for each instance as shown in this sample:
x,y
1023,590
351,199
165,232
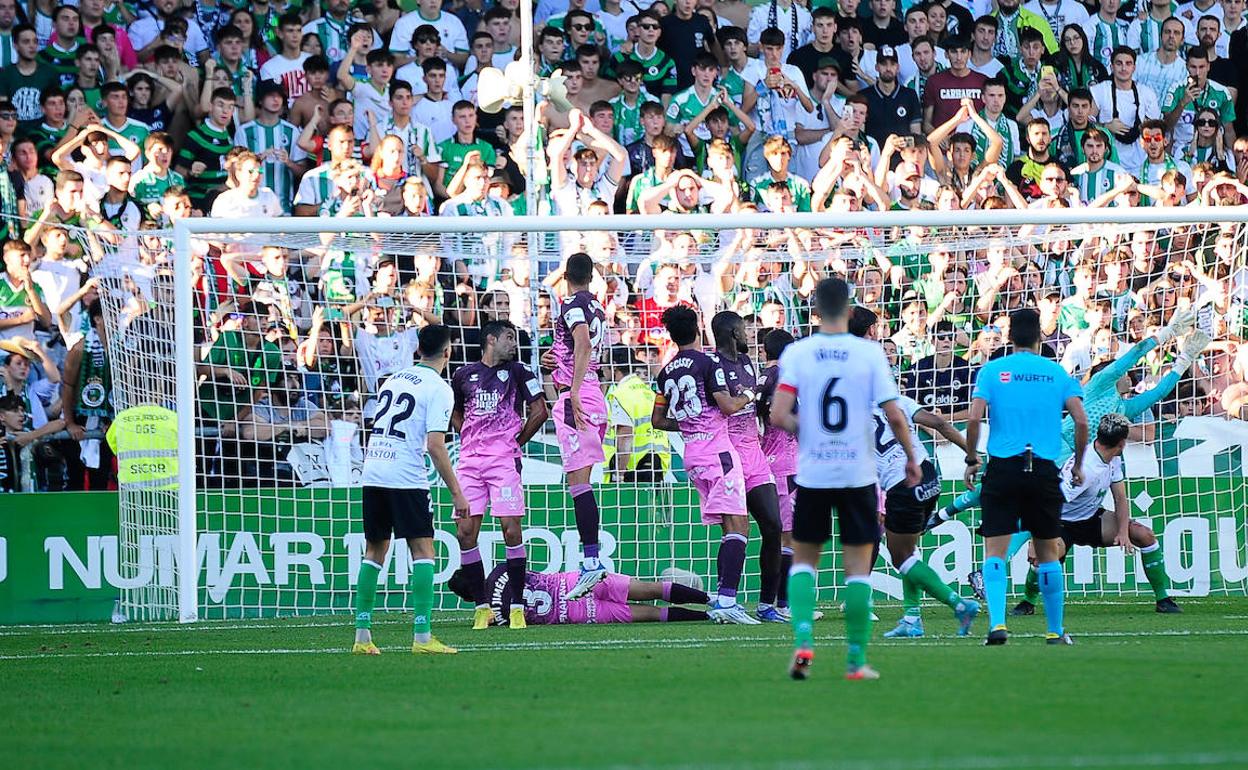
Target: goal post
x,y
266,519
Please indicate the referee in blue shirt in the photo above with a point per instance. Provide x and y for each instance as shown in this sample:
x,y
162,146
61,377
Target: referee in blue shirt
x,y
1026,394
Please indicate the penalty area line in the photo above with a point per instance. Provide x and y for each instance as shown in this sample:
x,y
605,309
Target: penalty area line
x,y
977,762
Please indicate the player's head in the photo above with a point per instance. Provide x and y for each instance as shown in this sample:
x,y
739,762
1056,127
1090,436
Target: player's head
x,y
775,342
862,321
460,585
1126,383
1025,329
435,345
580,271
729,331
1112,432
499,341
831,299
681,323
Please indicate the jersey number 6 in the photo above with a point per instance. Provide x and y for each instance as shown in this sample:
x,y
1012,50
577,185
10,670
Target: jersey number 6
x,y
833,410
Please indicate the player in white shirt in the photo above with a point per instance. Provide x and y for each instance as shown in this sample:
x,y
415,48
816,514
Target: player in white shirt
x,y
409,430
835,381
907,506
1085,520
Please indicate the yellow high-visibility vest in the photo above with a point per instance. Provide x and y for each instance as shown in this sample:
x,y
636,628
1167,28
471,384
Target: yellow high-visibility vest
x,y
634,398
145,441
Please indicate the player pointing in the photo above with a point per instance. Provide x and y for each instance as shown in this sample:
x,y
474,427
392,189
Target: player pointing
x,y
1026,394
836,380
413,415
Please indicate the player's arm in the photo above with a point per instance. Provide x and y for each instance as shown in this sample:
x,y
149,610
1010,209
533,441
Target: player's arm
x,y
581,345
942,426
729,404
1074,405
435,445
973,421
901,431
1122,512
659,418
537,412
783,415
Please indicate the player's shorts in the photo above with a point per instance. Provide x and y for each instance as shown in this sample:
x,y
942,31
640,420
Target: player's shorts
x,y
1014,499
607,603
906,508
581,448
754,465
857,519
721,488
402,513
786,491
492,482
1085,532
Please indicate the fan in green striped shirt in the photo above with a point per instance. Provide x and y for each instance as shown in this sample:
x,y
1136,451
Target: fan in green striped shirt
x,y
273,140
1097,175
203,153
148,184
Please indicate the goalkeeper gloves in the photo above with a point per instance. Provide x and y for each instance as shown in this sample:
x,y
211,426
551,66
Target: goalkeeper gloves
x,y
1192,347
1182,322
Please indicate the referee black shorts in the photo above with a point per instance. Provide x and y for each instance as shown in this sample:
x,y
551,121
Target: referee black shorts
x,y
856,509
402,512
906,508
1013,498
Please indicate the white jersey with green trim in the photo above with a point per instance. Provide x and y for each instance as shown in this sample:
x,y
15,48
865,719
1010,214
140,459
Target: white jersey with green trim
x,y
1083,501
413,403
890,456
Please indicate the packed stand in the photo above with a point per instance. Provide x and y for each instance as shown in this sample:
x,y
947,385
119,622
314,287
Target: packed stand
x,y
117,119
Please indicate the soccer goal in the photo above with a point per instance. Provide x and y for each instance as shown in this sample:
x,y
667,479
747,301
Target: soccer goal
x,y
271,336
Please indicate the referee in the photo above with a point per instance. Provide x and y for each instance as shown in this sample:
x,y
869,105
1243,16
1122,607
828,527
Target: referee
x,y
1022,489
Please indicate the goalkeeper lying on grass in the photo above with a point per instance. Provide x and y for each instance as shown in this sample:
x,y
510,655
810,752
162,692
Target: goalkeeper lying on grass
x,y
546,602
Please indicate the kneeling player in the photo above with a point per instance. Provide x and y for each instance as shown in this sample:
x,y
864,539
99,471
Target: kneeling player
x,y
907,506
413,415
545,599
1085,522
490,397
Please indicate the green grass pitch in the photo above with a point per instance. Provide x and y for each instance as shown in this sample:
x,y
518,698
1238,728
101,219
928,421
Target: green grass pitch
x,y
1138,690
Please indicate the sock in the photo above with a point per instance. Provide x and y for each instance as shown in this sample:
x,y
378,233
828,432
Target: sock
x,y
1031,589
916,571
676,593
517,566
857,618
678,614
963,502
474,571
1016,544
366,594
911,597
786,564
420,586
802,598
585,507
731,563
994,589
1052,589
1155,569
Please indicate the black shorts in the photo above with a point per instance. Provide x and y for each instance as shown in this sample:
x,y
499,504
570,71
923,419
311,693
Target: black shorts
x,y
402,512
1086,532
1014,499
906,508
857,517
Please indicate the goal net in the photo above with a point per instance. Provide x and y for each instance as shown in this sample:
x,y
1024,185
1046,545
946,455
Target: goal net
x,y
271,337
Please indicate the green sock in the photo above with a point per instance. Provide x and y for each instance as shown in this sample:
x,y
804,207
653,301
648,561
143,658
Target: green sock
x,y
925,577
1155,569
420,586
911,595
858,619
366,594
802,604
1031,589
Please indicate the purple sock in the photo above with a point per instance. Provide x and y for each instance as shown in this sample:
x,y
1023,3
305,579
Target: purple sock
x,y
731,563
585,507
677,593
517,565
782,590
677,614
475,572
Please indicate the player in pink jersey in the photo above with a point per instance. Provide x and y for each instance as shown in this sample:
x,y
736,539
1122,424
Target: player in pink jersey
x,y
581,409
761,501
491,397
546,602
781,451
693,398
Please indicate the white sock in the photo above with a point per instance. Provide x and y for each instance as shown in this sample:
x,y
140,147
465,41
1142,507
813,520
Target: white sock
x,y
590,563
363,636
422,638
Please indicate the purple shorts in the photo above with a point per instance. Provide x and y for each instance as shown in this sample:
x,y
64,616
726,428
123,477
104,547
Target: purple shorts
x,y
492,482
786,490
721,487
754,465
581,448
609,601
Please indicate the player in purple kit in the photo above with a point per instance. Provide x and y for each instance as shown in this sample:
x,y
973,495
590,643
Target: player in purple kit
x,y
761,501
780,448
693,398
491,396
545,599
581,409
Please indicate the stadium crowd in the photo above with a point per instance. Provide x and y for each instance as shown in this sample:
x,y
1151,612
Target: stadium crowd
x,y
119,118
